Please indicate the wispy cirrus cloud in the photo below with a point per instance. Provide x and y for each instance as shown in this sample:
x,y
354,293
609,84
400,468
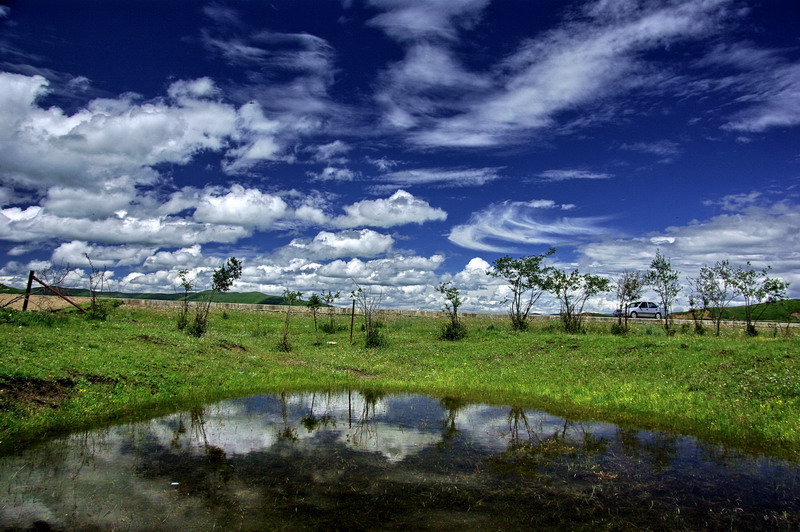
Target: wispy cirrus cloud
x,y
567,175
442,177
513,225
583,62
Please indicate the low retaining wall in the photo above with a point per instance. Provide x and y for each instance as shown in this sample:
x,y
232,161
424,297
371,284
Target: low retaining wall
x,y
39,302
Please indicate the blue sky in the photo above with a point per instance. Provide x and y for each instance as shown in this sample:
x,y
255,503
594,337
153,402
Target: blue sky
x,y
397,143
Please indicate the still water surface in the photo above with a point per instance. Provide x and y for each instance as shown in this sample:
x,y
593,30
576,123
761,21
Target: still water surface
x,y
366,461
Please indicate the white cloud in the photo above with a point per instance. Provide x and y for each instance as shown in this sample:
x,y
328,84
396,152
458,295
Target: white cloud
x,y
113,137
35,224
326,245
398,209
74,254
183,258
331,153
240,206
503,227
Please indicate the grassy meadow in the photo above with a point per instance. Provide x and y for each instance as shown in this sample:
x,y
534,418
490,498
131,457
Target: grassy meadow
x,y
60,372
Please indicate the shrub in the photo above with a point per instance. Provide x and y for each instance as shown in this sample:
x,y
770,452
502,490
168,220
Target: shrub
x,y
453,331
374,337
618,329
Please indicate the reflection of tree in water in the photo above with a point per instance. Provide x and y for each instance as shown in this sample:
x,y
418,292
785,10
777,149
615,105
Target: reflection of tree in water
x,y
312,422
287,433
661,450
366,430
452,406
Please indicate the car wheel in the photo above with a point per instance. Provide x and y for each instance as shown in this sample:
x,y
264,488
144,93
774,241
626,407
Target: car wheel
x,y
633,315
658,315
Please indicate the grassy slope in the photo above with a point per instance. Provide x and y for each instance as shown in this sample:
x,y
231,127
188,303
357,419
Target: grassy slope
x,y
742,391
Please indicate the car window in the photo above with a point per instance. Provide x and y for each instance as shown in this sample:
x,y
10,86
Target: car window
x,y
652,305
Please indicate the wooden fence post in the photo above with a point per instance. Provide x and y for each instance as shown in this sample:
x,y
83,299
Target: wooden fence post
x,y
27,291
352,321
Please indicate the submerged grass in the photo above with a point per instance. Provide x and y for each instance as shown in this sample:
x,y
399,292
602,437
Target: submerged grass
x,y
67,373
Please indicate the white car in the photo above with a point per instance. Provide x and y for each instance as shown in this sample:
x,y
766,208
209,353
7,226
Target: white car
x,y
642,309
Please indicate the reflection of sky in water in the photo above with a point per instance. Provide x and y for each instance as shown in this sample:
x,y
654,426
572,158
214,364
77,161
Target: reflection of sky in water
x,y
192,469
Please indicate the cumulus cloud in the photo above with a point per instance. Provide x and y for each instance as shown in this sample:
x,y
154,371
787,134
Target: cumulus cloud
x,y
109,138
505,226
37,225
75,253
398,209
240,206
326,245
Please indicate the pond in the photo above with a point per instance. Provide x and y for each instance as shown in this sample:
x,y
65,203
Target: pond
x,y
367,461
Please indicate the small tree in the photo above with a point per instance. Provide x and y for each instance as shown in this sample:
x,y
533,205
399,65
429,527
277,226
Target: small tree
x,y
757,288
369,304
455,329
329,298
664,281
314,303
630,286
221,281
715,289
572,291
289,298
186,284
97,282
697,307
526,278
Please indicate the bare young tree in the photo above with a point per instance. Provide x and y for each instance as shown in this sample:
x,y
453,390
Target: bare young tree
x,y
97,283
664,281
629,288
572,291
527,278
290,298
329,297
369,304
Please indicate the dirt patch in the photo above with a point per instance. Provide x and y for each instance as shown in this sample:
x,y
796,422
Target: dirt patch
x,y
354,371
45,393
231,346
151,339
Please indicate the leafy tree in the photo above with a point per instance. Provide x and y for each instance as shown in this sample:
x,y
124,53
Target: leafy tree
x,y
221,281
329,298
629,288
757,287
714,287
527,279
572,291
455,329
290,298
663,279
314,303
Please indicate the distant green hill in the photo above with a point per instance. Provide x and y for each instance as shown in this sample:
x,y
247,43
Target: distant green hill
x,y
255,298
782,311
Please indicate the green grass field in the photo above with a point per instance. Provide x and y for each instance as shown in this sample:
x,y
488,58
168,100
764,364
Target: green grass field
x,y
61,372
